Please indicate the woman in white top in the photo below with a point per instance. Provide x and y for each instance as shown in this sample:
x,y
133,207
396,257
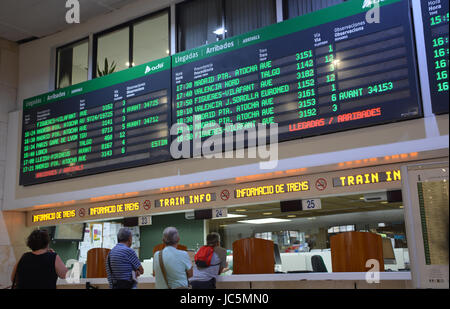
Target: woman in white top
x,y
177,266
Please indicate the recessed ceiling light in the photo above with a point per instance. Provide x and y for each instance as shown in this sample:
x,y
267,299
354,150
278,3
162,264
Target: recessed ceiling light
x,y
267,213
230,216
220,31
292,216
241,210
264,221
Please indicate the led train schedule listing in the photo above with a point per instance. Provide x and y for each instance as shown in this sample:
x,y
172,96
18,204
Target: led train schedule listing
x,y
435,24
103,126
343,74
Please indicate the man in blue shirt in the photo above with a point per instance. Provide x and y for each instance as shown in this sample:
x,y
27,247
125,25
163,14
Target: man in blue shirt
x,y
122,261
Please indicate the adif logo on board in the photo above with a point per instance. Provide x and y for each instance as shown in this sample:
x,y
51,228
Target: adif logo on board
x,y
153,68
73,14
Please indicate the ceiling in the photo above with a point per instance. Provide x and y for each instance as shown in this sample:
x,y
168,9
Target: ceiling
x,y
22,20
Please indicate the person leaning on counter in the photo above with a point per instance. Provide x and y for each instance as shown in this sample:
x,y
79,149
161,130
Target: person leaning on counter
x,y
172,267
40,268
122,264
205,277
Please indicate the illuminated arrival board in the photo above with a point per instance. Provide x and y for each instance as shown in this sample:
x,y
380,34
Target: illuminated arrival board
x,y
435,24
324,72
328,71
113,122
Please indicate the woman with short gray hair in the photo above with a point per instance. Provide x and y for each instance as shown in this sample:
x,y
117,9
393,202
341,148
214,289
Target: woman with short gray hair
x,y
172,267
171,236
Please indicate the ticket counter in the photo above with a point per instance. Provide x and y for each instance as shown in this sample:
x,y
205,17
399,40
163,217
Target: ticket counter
x,y
299,215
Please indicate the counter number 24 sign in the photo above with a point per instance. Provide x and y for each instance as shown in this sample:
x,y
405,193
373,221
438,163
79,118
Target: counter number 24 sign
x,y
311,204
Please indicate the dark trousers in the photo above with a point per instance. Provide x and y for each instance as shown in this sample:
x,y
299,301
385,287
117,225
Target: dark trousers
x,y
204,285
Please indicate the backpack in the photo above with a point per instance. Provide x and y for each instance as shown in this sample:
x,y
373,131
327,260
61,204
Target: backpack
x,y
203,257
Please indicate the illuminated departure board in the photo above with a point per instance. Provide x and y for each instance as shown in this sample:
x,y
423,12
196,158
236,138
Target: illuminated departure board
x,y
324,72
435,24
113,122
344,67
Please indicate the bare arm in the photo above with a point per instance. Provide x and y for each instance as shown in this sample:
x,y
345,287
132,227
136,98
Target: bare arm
x,y
190,272
61,269
13,274
140,271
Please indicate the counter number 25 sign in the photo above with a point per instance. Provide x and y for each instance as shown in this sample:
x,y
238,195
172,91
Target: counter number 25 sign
x,y
311,204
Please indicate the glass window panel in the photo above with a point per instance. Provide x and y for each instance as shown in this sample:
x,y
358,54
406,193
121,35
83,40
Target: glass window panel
x,y
197,22
72,64
151,39
242,16
113,51
294,8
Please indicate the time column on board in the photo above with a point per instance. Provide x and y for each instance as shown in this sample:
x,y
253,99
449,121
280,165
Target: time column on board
x,y
29,149
184,107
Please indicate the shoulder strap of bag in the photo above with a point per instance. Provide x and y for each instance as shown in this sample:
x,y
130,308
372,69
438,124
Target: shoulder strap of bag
x,y
110,268
163,269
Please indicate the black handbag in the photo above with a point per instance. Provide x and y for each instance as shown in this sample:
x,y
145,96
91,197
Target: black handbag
x,y
119,284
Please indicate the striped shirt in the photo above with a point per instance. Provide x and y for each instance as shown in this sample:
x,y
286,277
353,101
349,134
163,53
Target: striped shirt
x,y
123,262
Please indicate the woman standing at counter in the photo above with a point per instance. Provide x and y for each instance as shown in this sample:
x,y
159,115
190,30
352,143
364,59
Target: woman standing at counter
x,y
40,268
172,267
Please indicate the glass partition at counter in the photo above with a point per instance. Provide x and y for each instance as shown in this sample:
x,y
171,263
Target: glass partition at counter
x,y
301,235
306,233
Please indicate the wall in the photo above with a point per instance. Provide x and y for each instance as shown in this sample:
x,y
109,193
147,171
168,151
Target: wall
x,y
9,52
12,225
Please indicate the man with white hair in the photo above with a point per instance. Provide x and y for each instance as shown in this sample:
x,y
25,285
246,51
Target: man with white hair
x,y
172,267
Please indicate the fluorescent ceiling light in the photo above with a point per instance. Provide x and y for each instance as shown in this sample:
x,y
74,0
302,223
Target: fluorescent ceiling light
x,y
230,216
264,221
